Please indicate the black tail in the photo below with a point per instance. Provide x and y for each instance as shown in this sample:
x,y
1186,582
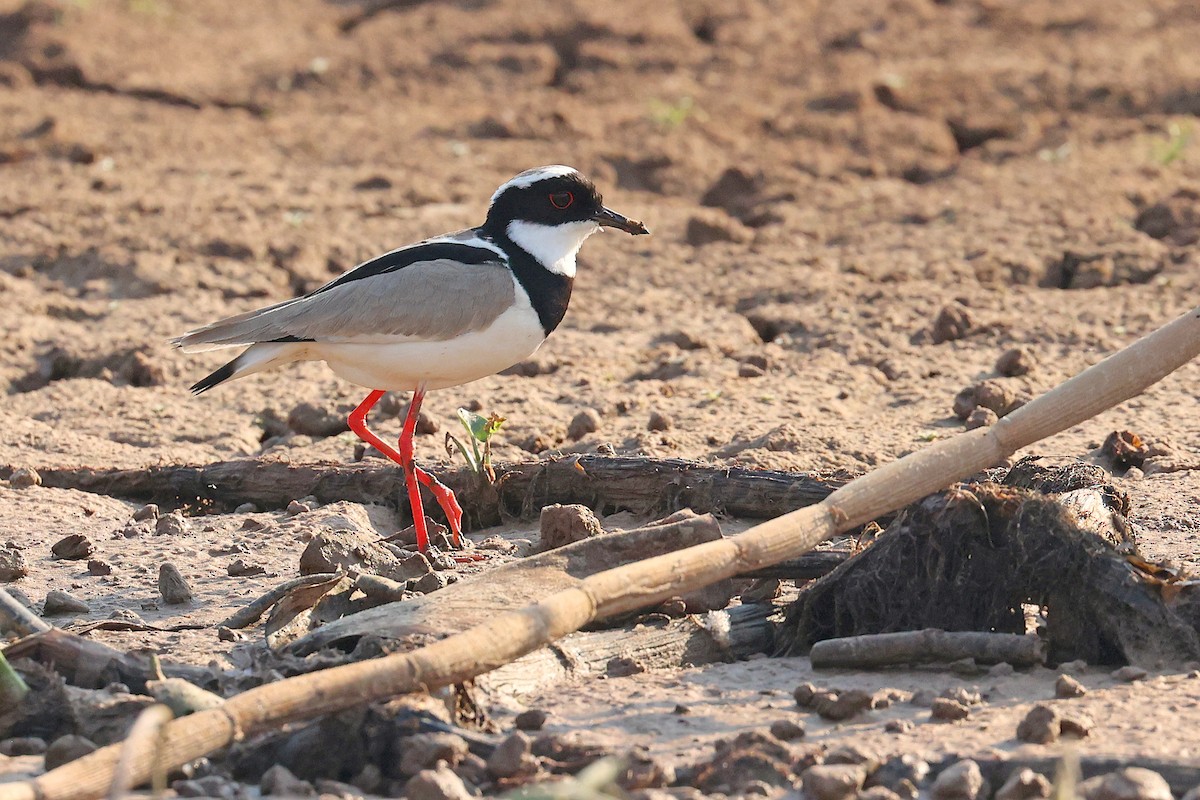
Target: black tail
x,y
221,375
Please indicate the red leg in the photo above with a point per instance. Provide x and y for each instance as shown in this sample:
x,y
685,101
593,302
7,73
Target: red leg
x,y
358,424
441,492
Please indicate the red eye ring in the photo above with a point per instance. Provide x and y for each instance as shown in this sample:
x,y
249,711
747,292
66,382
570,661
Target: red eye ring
x,y
562,200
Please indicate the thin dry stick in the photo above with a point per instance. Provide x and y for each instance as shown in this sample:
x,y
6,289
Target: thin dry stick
x,y
145,738
513,634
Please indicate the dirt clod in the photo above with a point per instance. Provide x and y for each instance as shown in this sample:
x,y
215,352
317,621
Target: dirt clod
x,y
74,547
946,710
60,602
424,750
712,226
1024,784
439,783
173,587
173,524
843,704
833,781
962,781
659,421
1130,673
952,322
512,757
24,477
981,418
13,565
583,423
240,568
146,512
310,419
564,524
1014,362
1040,726
1066,686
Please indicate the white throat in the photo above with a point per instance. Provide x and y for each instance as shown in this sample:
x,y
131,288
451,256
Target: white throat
x,y
554,246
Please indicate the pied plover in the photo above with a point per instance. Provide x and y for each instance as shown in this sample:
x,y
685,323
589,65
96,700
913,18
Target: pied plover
x,y
439,313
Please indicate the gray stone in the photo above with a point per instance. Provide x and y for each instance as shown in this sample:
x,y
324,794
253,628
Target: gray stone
x,y
439,783
23,746
58,602
1024,784
67,748
173,524
1066,686
423,751
24,478
512,757
1130,673
786,730
947,710
74,547
278,781
532,720
833,781
1130,783
1040,726
13,565
583,423
146,512
173,587
962,781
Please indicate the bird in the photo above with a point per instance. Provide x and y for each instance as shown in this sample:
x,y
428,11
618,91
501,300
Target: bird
x,y
436,314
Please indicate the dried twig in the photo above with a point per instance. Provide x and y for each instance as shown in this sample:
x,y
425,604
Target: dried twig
x,y
251,613
927,646
510,635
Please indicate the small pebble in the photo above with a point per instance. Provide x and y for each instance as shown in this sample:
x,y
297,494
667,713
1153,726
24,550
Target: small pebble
x,y
173,524
842,705
246,508
1130,673
898,726
172,585
98,566
12,564
24,478
1130,783
585,422
512,757
427,425
981,418
659,421
1073,667
1014,362
1040,726
833,781
531,720
1066,686
1024,784
58,602
963,781
425,750
23,746
146,512
952,322
296,507
67,748
564,524
947,710
1079,725
278,781
1001,670
240,568
750,371
439,783
787,730
73,548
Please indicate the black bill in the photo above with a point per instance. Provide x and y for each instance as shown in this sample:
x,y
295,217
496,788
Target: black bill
x,y
611,219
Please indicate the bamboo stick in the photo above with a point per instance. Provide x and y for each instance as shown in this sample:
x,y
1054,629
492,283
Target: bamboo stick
x,y
513,634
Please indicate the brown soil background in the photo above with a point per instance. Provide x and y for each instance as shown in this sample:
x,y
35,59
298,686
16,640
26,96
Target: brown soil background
x,y
165,163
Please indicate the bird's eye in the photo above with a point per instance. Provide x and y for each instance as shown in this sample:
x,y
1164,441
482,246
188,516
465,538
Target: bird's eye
x,y
562,200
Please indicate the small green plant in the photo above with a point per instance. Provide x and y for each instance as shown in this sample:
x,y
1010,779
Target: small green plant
x,y
480,431
1179,136
672,115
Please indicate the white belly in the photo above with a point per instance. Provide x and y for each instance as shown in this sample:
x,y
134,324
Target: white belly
x,y
405,364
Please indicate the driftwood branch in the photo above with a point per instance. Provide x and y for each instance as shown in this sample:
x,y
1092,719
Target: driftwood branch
x,y
92,665
927,646
250,614
690,641
604,483
508,636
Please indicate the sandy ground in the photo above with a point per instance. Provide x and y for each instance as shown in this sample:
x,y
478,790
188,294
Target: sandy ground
x,y
822,180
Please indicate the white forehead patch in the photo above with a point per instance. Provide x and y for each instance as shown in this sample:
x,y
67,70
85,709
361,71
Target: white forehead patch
x,y
532,176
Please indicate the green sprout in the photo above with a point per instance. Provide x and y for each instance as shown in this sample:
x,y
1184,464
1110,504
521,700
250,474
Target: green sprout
x,y
1179,136
480,431
12,687
672,115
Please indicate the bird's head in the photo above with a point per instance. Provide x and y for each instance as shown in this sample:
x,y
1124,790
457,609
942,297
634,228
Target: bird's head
x,y
549,212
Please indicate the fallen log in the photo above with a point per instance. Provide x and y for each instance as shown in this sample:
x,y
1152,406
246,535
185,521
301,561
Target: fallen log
x,y
510,635
606,484
931,645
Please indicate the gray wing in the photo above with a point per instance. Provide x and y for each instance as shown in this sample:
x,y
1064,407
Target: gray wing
x,y
429,300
